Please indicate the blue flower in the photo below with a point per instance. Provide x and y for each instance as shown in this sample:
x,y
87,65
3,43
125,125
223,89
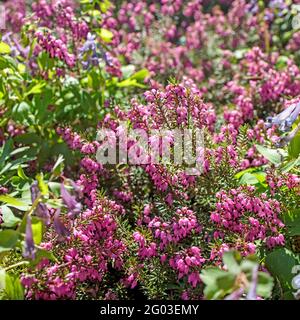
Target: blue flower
x,y
287,138
59,227
29,248
73,206
286,118
41,210
88,52
89,45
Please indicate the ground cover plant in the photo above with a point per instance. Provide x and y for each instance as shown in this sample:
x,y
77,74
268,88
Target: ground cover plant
x,y
87,87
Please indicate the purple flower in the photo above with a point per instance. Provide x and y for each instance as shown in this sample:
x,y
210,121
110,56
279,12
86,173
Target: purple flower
x,y
252,295
29,248
108,59
286,118
287,138
235,295
41,210
90,48
77,189
89,45
73,206
59,227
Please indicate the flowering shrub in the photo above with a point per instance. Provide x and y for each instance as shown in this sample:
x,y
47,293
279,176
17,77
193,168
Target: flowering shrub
x,y
149,149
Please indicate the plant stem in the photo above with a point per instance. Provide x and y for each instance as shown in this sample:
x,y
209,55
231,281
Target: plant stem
x,y
16,265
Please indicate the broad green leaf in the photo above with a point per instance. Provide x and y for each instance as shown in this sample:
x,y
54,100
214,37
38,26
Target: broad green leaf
x,y
127,71
230,259
241,173
265,285
280,263
294,147
37,230
292,222
209,276
4,48
226,282
13,287
140,75
8,239
13,202
248,179
9,219
35,89
276,156
105,35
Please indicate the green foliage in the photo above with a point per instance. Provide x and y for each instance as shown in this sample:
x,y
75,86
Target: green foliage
x,y
280,262
238,274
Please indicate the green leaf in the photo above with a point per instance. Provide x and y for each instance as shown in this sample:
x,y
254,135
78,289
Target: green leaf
x,y
209,276
2,279
241,173
4,48
57,168
8,239
37,230
127,71
130,83
294,147
265,285
280,263
282,62
42,185
290,165
230,259
239,54
9,219
276,156
105,35
247,265
35,89
6,150
20,111
13,287
292,222
140,75
21,173
13,202
226,282
55,187
248,179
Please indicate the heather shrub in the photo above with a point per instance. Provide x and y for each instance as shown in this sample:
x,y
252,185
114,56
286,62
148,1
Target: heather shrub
x,y
149,149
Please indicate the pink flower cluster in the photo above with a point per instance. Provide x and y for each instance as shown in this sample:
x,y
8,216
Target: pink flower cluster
x,y
182,225
247,217
91,247
188,263
55,47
